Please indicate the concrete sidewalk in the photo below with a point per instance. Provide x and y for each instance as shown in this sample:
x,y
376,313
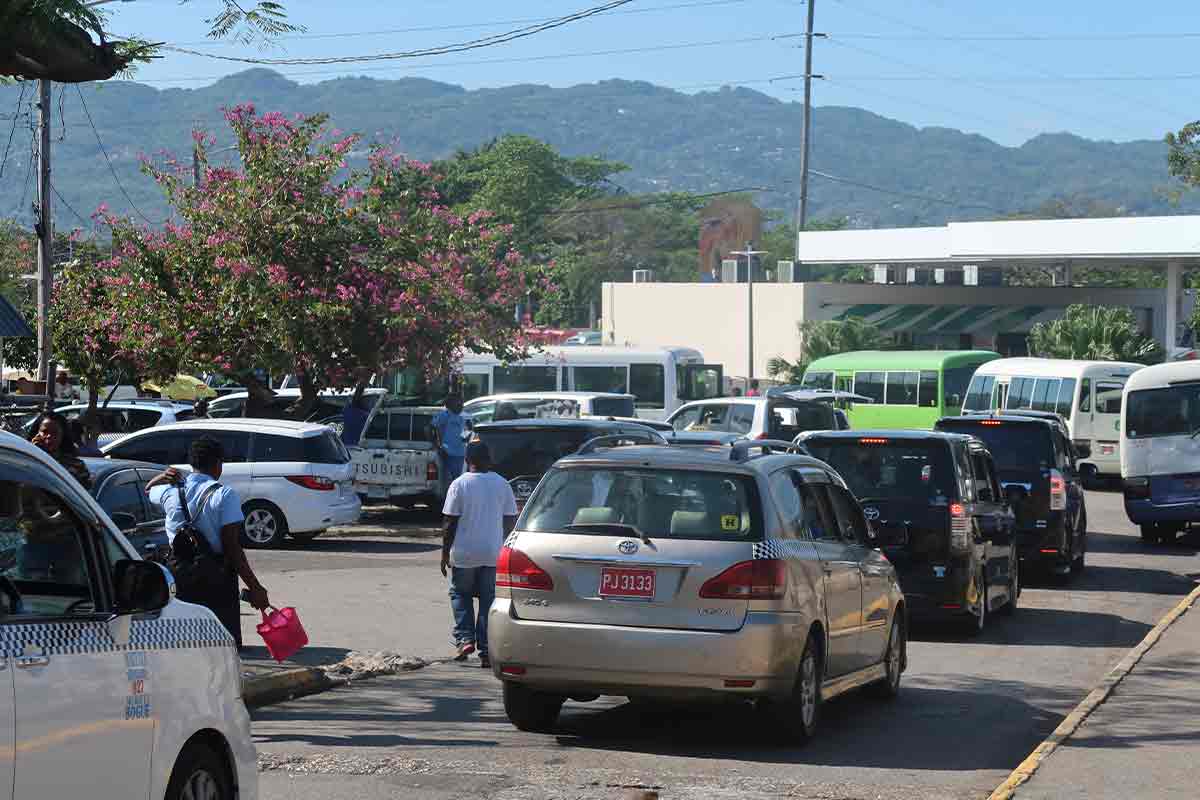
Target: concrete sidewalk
x,y
1144,740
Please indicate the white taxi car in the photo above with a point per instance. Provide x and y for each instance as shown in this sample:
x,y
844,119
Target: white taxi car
x,y
109,687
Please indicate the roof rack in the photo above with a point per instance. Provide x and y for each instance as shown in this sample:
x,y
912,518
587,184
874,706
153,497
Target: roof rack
x,y
632,438
743,450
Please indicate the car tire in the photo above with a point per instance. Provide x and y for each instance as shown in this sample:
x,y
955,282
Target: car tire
x,y
795,718
200,774
1014,589
975,623
531,711
265,525
893,662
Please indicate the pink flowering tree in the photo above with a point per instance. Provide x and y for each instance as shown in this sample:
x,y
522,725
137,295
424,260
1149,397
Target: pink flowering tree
x,y
295,263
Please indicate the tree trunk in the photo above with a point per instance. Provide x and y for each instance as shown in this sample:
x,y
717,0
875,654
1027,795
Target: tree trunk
x,y
303,407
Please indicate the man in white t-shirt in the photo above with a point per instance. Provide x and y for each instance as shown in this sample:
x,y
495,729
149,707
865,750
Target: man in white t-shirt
x,y
480,511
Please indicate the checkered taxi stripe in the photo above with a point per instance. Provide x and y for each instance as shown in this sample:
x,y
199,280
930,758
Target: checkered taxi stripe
x,y
82,638
782,548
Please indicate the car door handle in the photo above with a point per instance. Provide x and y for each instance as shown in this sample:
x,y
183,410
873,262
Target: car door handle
x,y
26,662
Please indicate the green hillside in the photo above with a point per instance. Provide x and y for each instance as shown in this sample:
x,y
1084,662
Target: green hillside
x,y
704,142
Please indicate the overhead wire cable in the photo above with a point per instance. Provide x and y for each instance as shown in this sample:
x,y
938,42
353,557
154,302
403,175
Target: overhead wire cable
x,y
67,205
13,130
923,197
108,161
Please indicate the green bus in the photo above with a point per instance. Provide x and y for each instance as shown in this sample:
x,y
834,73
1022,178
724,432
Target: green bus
x,y
908,388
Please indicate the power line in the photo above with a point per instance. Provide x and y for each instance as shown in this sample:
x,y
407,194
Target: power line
x,y
28,168
108,161
470,25
1017,37
63,200
473,44
923,197
517,59
12,131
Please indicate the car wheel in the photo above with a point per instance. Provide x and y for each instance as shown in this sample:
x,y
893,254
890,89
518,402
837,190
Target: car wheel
x,y
1014,589
265,525
976,622
529,710
199,774
893,662
796,718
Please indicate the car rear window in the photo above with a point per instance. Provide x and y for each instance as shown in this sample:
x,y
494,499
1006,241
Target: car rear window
x,y
669,504
325,448
532,450
879,468
1015,446
612,406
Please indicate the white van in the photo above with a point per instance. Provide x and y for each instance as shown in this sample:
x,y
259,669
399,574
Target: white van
x,y
1086,393
661,380
532,405
1160,450
111,687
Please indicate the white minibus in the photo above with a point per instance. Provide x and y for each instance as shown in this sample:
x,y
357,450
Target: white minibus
x,y
1086,393
1160,451
661,380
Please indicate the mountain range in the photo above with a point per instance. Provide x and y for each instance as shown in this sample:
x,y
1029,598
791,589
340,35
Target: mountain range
x,y
888,173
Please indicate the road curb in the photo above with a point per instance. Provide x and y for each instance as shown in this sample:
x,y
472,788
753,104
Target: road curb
x,y
286,685
1026,769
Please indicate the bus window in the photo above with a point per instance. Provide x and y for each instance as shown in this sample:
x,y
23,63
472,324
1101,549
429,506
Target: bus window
x,y
600,379
1045,394
698,381
901,389
1085,394
927,394
954,384
1066,396
979,396
1108,397
1020,392
869,384
647,383
525,379
817,380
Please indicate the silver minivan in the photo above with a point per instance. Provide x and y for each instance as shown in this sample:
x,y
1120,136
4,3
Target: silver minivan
x,y
693,573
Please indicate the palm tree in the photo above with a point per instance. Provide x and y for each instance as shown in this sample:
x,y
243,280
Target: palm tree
x,y
1094,333
825,338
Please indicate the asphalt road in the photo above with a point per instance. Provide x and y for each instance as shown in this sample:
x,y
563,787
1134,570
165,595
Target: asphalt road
x,y
969,710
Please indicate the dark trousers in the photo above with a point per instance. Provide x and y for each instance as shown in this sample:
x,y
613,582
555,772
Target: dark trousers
x,y
222,599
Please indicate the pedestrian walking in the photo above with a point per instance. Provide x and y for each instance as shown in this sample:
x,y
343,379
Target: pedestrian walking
x,y
448,426
480,511
52,433
214,511
753,392
355,414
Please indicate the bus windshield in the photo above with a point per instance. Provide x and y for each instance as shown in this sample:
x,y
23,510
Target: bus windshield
x,y
1169,411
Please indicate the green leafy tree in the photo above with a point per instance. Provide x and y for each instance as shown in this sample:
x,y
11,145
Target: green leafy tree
x,y
1097,333
825,338
1183,155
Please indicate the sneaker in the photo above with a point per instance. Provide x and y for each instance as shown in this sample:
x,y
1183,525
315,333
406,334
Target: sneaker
x,y
464,649
484,661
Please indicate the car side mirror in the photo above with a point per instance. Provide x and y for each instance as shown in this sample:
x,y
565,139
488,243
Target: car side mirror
x,y
123,520
141,586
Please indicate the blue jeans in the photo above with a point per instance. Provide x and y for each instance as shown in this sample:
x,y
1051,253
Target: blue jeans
x,y
467,583
452,467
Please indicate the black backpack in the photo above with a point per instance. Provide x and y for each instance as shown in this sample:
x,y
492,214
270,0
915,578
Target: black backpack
x,y
198,569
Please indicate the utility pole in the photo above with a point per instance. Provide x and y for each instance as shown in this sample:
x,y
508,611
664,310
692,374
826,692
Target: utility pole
x,y
749,253
805,140
45,234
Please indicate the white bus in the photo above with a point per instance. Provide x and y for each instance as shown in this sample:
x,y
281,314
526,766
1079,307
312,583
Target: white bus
x,y
1086,393
661,380
1160,451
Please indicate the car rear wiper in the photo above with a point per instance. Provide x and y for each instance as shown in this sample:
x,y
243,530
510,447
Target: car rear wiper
x,y
602,527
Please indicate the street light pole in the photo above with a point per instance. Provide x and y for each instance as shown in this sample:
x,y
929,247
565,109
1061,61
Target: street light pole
x,y
45,235
749,253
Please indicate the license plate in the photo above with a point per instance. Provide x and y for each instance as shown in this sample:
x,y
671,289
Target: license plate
x,y
634,583
377,492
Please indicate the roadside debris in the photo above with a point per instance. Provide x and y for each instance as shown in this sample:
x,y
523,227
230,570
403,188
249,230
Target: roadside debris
x,y
367,664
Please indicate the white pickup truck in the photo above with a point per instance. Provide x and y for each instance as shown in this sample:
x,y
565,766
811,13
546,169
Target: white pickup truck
x,y
396,462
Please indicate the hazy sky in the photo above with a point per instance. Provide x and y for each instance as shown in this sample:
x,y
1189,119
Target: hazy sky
x,y
1008,70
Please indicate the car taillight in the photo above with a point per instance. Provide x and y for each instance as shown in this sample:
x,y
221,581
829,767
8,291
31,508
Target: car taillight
x,y
517,570
1058,491
763,435
761,579
313,482
1137,487
872,440
960,528
431,472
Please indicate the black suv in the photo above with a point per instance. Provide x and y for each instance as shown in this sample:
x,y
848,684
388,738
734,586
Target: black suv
x,y
523,450
937,510
1037,464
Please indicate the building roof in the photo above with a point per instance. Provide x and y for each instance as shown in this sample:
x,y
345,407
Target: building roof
x,y
12,324
1127,239
868,360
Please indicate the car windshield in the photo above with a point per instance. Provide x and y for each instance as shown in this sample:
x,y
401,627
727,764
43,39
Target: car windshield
x,y
1170,411
620,501
888,469
1015,446
531,450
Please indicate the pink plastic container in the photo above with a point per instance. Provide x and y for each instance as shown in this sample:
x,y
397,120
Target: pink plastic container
x,y
282,631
